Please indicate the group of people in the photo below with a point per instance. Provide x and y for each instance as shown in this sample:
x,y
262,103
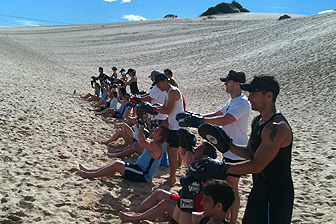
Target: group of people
x,y
159,116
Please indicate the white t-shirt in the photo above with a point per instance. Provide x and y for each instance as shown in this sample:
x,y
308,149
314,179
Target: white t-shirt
x,y
240,108
158,97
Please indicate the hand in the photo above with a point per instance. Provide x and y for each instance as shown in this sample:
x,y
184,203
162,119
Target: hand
x,y
147,108
190,189
216,135
141,121
193,120
190,140
207,169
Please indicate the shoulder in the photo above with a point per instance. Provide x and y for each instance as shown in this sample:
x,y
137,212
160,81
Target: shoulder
x,y
277,130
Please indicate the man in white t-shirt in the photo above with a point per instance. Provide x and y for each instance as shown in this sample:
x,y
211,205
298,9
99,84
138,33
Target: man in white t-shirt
x,y
234,119
156,97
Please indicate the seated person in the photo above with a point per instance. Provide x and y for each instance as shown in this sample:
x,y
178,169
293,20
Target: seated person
x,y
103,99
127,133
161,201
146,165
118,113
89,96
218,198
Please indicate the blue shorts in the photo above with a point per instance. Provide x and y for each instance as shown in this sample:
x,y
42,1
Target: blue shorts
x,y
133,172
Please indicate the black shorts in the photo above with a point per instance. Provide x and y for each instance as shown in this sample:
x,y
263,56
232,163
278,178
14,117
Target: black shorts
x,y
233,161
133,173
173,139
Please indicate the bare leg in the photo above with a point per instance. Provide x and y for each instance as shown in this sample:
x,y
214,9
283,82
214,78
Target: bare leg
x,y
158,211
106,111
106,171
86,96
134,148
173,164
232,214
126,128
152,200
120,134
100,103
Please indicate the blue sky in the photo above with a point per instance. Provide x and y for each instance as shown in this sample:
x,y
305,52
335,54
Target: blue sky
x,y
18,13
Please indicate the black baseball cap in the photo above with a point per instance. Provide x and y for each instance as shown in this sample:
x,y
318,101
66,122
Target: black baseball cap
x,y
159,77
262,83
235,76
130,70
114,68
154,73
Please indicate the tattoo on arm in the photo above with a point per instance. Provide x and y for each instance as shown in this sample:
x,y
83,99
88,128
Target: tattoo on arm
x,y
273,133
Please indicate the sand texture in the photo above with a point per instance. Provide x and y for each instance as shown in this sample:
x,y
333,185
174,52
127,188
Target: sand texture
x,y
46,129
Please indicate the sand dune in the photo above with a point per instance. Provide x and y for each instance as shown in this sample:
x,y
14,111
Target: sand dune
x,y
46,129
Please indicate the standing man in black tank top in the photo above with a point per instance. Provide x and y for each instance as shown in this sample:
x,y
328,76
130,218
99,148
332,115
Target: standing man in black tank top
x,y
268,157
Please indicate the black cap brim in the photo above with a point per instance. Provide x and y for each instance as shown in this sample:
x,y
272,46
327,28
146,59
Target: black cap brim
x,y
249,87
224,79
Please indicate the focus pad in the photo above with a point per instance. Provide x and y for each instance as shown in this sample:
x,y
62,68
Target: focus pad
x,y
215,135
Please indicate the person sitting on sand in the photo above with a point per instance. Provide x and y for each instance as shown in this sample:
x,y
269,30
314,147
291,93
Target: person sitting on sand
x,y
103,99
89,96
114,72
146,165
118,113
162,202
132,82
130,136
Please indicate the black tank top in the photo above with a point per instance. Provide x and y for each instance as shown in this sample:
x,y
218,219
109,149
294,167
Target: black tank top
x,y
134,87
277,173
205,220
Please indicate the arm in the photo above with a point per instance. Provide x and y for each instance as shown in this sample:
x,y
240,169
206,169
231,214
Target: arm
x,y
146,98
274,136
133,79
220,120
154,148
216,114
173,96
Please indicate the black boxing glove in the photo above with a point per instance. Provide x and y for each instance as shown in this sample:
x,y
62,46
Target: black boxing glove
x,y
190,140
147,108
130,105
184,114
181,133
207,169
141,121
216,135
190,189
192,120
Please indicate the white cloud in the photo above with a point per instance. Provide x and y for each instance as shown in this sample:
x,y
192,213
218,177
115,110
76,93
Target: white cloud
x,y
26,23
110,0
126,1
133,17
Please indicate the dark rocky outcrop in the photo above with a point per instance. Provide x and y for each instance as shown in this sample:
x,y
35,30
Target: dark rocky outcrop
x,y
223,7
171,16
284,17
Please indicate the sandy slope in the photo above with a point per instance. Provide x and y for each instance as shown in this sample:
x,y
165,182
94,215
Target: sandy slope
x,y
46,130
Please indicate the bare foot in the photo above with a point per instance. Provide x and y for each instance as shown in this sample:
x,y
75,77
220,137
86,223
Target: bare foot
x,y
126,218
170,181
122,208
83,168
83,174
